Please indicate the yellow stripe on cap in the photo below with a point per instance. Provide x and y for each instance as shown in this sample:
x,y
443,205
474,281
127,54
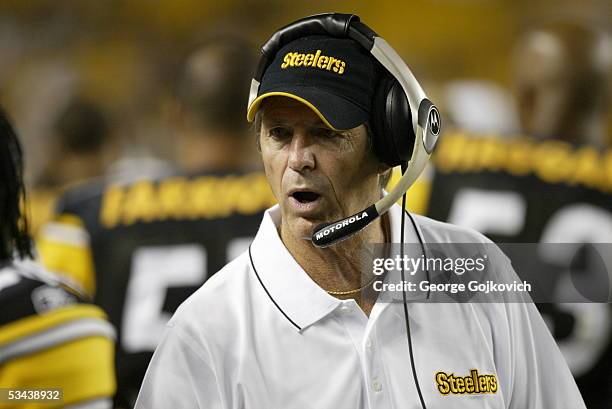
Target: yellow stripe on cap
x,y
255,106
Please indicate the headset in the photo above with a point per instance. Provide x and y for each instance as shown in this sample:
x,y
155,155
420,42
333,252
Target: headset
x,y
406,125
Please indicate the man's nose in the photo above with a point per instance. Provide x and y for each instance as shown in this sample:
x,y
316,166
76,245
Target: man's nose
x,y
301,155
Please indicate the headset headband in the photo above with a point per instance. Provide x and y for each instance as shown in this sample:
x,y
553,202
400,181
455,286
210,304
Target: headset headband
x,y
425,117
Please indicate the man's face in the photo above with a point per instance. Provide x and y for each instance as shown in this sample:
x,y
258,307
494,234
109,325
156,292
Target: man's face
x,y
317,174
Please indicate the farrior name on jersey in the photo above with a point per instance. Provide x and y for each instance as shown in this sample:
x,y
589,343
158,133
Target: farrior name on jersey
x,y
182,198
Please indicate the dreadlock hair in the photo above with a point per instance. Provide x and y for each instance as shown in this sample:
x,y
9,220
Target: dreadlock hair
x,y
14,236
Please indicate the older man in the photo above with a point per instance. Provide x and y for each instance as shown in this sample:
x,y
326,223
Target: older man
x,y
292,325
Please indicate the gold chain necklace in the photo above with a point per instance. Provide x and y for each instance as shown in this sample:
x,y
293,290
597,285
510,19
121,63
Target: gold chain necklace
x,y
387,236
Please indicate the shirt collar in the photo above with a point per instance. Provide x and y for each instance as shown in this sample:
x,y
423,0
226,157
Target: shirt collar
x,y
288,286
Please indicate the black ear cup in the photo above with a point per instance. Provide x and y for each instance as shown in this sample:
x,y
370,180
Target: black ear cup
x,y
392,123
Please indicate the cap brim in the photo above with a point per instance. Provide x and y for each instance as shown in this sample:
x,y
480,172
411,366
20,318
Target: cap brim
x,y
336,112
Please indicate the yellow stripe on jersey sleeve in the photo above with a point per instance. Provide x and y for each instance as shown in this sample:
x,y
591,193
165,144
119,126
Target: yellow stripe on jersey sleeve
x,y
33,324
64,248
83,368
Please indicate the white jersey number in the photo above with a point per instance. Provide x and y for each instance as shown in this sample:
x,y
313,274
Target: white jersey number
x,y
154,270
502,212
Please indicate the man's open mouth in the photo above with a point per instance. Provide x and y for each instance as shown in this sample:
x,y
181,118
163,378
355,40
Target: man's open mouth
x,y
305,196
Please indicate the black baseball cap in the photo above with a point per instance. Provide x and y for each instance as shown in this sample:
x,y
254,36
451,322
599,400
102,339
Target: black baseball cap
x,y
335,77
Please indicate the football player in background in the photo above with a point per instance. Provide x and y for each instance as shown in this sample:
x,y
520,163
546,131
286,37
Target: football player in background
x,y
50,340
82,145
87,142
553,186
140,249
562,75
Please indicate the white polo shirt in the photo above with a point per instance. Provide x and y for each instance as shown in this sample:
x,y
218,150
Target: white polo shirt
x,y
261,334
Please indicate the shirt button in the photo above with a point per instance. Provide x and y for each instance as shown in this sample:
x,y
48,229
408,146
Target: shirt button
x,y
376,385
345,308
369,343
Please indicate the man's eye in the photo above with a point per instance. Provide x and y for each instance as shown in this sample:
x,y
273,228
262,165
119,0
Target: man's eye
x,y
279,133
327,133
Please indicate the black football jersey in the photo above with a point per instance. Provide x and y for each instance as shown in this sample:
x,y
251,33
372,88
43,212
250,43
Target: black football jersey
x,y
51,338
141,249
526,191
26,292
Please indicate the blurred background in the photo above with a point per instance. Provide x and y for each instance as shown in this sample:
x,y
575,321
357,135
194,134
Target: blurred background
x,y
91,87
125,56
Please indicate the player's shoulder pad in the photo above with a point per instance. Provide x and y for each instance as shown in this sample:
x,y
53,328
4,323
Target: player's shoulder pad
x,y
38,313
81,195
26,290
